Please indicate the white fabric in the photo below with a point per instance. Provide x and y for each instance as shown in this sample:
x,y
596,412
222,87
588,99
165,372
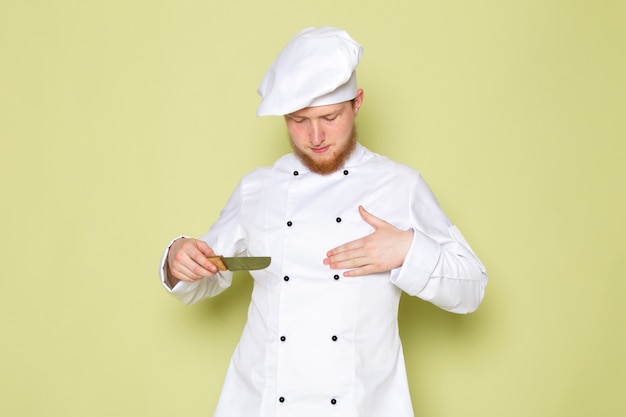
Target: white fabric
x,y
316,68
363,370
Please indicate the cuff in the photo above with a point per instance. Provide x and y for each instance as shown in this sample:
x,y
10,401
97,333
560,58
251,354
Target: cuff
x,y
418,265
163,265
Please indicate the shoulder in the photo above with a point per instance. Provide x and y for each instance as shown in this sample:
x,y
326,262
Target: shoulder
x,y
386,167
264,174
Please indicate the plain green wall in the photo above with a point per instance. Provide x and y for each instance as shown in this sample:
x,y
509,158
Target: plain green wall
x,y
126,123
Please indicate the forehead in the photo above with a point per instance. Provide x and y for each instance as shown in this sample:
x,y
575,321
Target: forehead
x,y
320,111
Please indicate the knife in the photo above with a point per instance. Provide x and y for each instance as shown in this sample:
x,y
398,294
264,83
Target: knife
x,y
240,263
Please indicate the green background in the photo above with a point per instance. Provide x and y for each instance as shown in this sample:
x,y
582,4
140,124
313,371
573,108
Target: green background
x,y
126,123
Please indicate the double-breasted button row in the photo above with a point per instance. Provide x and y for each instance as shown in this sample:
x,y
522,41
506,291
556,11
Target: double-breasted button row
x,y
333,401
338,219
334,338
296,173
335,277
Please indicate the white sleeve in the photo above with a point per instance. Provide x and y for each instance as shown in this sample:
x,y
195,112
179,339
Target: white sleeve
x,y
225,237
440,266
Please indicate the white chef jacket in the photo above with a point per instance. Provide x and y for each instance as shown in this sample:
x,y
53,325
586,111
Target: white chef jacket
x,y
317,344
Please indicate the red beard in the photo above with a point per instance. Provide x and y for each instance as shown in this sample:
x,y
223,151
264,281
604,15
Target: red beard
x,y
332,164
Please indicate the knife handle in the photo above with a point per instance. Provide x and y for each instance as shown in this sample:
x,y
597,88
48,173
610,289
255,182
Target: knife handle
x,y
218,262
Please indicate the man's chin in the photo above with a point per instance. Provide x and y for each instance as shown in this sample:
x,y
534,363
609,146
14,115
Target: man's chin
x,y
324,166
326,163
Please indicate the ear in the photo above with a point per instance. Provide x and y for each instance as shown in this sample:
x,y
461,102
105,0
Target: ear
x,y
358,101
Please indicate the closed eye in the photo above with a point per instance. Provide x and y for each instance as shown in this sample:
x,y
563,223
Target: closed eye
x,y
331,117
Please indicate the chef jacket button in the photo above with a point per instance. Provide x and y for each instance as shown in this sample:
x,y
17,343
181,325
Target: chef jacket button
x,y
336,277
289,223
283,338
333,401
281,399
295,173
286,278
345,172
338,219
334,338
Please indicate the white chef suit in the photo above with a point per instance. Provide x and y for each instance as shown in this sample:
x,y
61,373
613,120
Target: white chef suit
x,y
317,344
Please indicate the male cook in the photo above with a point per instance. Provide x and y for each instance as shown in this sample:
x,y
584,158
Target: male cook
x,y
347,231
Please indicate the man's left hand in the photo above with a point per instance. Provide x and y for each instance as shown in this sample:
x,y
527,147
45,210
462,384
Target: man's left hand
x,y
380,251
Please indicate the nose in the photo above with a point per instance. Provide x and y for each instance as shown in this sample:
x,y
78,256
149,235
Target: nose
x,y
316,134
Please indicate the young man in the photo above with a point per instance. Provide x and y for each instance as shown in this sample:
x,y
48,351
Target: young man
x,y
347,230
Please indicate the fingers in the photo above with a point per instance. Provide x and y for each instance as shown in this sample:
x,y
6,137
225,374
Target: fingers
x,y
370,219
359,272
358,256
337,257
187,260
363,258
355,245
380,251
346,260
356,265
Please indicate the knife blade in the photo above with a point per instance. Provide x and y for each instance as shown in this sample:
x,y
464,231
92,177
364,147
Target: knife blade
x,y
240,263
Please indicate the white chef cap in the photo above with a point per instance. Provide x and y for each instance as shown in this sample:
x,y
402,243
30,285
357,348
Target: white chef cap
x,y
316,68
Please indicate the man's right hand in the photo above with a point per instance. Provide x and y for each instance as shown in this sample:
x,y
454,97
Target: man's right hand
x,y
187,261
